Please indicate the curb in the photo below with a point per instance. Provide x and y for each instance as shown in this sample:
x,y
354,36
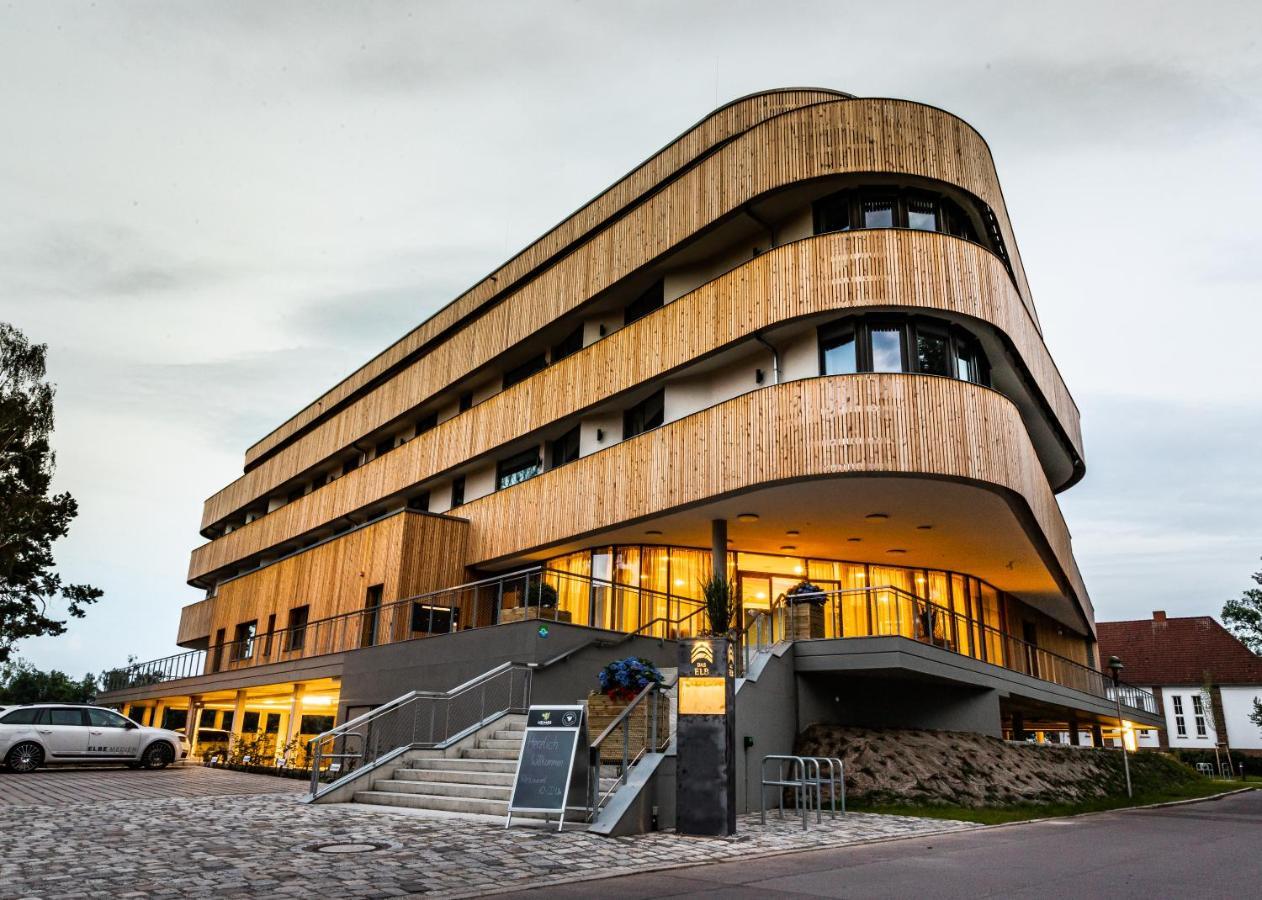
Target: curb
x,y
1122,809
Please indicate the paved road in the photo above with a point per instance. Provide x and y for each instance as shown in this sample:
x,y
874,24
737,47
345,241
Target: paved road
x,y
62,785
1210,849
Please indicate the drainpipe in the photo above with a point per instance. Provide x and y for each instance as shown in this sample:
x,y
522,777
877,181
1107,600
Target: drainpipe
x,y
775,358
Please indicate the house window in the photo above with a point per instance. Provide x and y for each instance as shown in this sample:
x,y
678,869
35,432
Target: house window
x,y
878,213
922,213
267,637
425,423
420,502
644,304
294,494
908,344
457,491
385,446
525,370
217,660
839,353
518,468
565,448
887,347
297,628
351,464
1198,708
568,345
645,415
430,619
372,612
466,401
243,640
932,352
1180,727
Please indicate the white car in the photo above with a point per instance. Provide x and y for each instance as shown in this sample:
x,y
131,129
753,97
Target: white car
x,y
40,734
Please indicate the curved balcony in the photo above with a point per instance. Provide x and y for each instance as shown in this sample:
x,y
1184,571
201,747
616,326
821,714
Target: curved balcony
x,y
841,137
834,272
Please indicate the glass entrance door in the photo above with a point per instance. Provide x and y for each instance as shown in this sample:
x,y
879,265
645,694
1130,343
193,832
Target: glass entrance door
x,y
759,591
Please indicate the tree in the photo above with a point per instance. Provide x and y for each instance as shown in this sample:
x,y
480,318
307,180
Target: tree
x,y
1256,716
21,682
1243,616
30,518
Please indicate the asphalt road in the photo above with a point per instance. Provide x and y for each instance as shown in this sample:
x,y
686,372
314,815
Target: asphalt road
x,y
1207,849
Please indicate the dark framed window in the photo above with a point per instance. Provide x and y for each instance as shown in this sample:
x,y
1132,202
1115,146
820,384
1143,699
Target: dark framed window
x,y
568,345
645,415
839,351
890,207
525,370
250,723
297,628
206,718
876,211
565,449
420,502
457,491
372,612
644,304
933,351
518,468
267,636
430,619
425,423
466,401
216,661
886,343
294,494
315,724
352,464
385,445
902,344
243,640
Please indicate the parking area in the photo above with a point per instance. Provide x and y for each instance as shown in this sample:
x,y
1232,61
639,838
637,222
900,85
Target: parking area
x,y
61,785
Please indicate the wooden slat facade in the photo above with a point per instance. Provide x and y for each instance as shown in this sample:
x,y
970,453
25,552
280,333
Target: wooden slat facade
x,y
845,136
833,272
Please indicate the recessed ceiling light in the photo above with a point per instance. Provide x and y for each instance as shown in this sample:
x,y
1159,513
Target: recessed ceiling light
x,y
854,540
747,517
924,527
877,516
788,547
793,532
652,531
895,550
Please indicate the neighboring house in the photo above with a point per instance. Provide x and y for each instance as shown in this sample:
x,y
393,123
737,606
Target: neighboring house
x,y
796,344
1176,658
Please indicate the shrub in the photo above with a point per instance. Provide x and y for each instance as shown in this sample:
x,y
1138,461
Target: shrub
x,y
624,678
541,594
805,592
720,603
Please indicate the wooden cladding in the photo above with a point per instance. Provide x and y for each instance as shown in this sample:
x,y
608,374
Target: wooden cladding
x,y
833,272
831,138
195,620
407,554
716,128
813,428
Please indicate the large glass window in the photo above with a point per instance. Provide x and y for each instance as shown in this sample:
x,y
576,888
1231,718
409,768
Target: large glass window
x,y
887,347
910,344
518,468
839,354
568,345
565,449
647,414
525,370
644,304
243,640
878,213
915,208
922,213
932,353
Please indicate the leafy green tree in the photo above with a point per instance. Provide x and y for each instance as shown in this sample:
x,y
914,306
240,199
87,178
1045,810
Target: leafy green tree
x,y
30,518
1243,616
1256,716
21,682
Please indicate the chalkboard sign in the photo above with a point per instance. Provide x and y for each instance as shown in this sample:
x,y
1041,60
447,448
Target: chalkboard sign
x,y
546,764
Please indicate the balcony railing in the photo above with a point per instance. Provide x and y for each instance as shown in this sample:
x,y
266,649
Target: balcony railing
x,y
891,611
507,598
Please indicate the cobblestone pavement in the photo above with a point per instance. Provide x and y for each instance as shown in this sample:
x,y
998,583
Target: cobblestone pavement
x,y
264,845
78,785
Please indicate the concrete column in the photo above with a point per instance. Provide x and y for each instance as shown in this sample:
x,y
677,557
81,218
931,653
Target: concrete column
x,y
718,546
238,719
1018,727
159,709
1074,740
1097,735
126,710
193,722
291,729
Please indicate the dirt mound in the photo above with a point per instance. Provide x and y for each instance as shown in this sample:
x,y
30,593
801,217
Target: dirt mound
x,y
895,766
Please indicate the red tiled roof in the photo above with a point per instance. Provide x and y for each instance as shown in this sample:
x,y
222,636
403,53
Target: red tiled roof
x,y
1178,651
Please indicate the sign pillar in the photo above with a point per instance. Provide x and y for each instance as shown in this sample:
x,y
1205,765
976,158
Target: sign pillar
x,y
705,781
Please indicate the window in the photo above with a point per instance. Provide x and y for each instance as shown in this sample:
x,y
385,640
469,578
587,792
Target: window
x,y
271,630
385,446
425,423
297,628
645,415
565,448
420,502
206,719
22,717
525,370
430,619
568,345
243,640
518,468
922,213
351,464
319,480
878,213
1198,708
66,717
466,401
932,353
250,723
372,611
889,207
217,661
104,718
457,491
644,304
294,494
1180,726
315,724
839,353
887,347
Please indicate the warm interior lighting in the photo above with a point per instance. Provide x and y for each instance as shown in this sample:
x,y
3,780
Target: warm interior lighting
x,y
797,570
679,582
760,596
747,517
317,700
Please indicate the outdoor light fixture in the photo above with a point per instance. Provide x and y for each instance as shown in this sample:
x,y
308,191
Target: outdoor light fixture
x,y
854,540
924,527
896,550
747,517
652,531
788,547
600,434
793,532
876,516
1115,669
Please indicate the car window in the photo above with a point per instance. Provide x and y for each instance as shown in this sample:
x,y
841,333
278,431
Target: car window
x,y
22,717
66,717
104,718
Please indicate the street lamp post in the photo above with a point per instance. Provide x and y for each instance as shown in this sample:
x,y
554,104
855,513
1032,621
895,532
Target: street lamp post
x,y
1115,667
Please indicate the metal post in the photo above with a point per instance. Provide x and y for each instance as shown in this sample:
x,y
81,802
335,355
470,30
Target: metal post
x,y
1121,734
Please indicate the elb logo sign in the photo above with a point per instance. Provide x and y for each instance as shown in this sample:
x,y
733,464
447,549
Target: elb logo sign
x,y
702,657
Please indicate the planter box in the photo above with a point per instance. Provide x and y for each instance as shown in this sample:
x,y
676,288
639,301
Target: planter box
x,y
522,613
601,711
806,621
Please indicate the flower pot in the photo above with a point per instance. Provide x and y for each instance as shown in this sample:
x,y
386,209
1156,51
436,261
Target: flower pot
x,y
806,621
522,613
602,710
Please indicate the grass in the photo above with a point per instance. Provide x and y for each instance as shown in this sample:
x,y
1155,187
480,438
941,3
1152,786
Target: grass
x,y
998,815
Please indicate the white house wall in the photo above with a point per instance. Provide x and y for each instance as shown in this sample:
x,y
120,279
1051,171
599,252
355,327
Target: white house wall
x,y
1242,734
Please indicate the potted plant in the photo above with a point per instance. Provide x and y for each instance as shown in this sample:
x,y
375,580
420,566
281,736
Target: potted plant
x,y
805,602
719,597
621,682
539,601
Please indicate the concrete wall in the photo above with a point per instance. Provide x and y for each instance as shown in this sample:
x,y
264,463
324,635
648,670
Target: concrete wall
x,y
1237,707
766,710
835,699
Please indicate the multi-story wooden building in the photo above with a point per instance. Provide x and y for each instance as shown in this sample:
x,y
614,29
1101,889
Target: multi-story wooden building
x,y
796,344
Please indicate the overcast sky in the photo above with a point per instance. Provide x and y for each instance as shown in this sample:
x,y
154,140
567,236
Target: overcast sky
x,y
213,211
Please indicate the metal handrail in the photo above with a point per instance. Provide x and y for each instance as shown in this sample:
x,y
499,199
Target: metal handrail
x,y
595,798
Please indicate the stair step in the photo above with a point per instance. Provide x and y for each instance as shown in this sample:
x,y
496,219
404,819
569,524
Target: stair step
x,y
468,776
445,789
433,801
455,764
492,753
500,744
518,726
514,736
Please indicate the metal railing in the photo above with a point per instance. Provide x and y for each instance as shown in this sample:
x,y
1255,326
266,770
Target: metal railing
x,y
419,720
891,611
647,703
516,596
806,777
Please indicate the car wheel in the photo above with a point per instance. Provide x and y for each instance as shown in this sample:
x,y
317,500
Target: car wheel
x,y
159,755
25,757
